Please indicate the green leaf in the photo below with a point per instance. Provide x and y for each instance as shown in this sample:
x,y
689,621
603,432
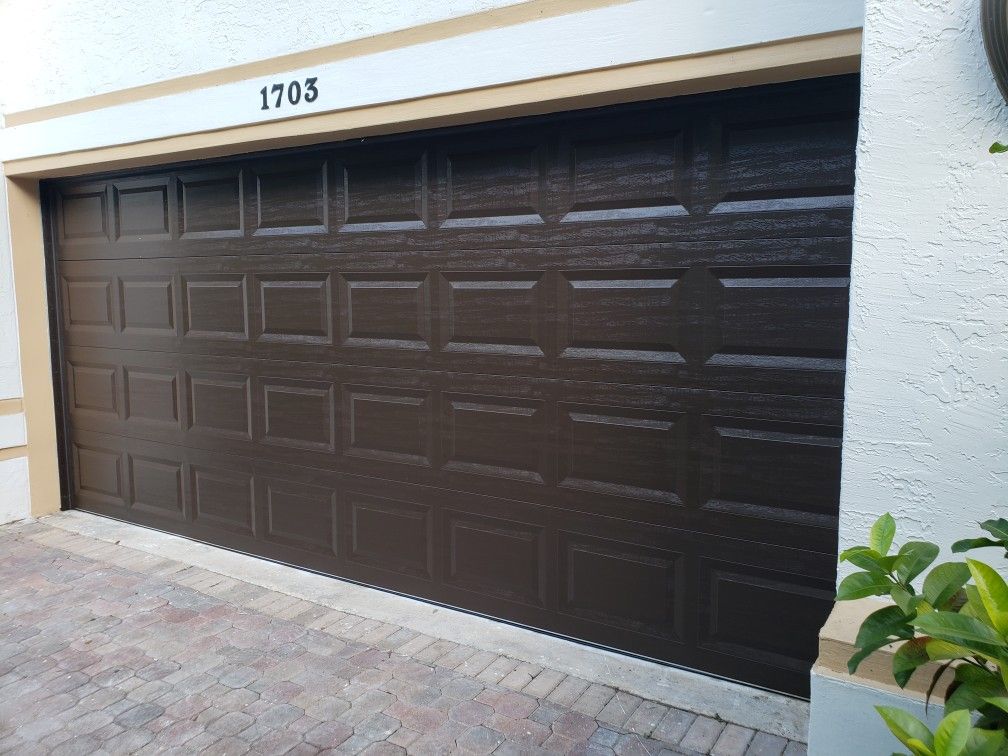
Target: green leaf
x,y
908,658
878,630
998,147
965,631
973,543
862,584
904,599
963,698
973,686
943,582
882,624
869,559
918,748
881,536
1000,701
981,678
938,650
985,742
974,606
914,557
993,593
999,527
952,733
905,727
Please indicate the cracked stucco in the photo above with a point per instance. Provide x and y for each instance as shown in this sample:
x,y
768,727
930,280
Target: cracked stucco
x,y
926,427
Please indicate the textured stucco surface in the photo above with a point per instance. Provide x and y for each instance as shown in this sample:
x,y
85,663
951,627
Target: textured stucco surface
x,y
927,386
10,368
66,49
14,499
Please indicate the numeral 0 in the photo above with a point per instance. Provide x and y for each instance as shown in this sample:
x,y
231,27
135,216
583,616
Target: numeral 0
x,y
293,89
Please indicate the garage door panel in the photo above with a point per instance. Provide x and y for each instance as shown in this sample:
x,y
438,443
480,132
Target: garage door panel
x,y
582,372
389,533
773,328
143,209
211,203
704,461
288,197
623,585
779,225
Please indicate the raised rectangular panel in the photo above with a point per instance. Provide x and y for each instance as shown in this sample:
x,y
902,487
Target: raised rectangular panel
x,y
628,315
223,499
389,311
147,304
391,534
215,307
492,313
219,404
151,395
496,436
296,308
300,414
772,470
387,424
385,196
498,557
98,473
292,200
493,187
83,215
93,388
621,452
156,486
764,615
211,204
87,303
786,317
620,179
141,210
790,163
301,516
624,585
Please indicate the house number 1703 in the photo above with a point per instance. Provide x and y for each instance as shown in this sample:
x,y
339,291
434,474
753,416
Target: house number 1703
x,y
293,90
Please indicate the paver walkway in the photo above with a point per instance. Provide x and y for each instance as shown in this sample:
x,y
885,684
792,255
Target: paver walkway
x,y
106,649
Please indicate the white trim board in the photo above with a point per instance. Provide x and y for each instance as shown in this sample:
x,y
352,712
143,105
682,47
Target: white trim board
x,y
15,503
731,702
12,430
622,34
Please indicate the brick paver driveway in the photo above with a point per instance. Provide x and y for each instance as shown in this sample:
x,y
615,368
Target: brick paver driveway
x,y
105,649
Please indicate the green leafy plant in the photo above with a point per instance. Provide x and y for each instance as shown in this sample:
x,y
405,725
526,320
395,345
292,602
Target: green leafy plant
x,y
956,616
998,147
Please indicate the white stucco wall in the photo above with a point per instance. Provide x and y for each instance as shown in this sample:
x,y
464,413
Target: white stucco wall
x,y
10,368
67,49
926,418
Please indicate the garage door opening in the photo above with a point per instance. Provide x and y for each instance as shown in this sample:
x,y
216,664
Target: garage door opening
x,y
582,372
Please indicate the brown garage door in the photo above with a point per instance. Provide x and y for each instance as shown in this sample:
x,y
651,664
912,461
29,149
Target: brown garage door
x,y
582,372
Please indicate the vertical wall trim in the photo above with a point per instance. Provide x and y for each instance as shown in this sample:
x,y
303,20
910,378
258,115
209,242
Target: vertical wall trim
x,y
27,249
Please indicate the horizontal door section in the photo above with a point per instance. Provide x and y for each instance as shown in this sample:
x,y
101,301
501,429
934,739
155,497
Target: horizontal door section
x,y
760,316
661,592
753,466
767,162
